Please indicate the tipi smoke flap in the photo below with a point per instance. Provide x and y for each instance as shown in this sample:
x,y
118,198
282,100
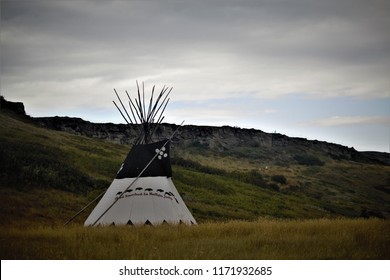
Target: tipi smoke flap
x,y
143,191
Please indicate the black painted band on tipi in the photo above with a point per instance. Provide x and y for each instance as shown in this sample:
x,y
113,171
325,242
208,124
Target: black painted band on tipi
x,y
139,157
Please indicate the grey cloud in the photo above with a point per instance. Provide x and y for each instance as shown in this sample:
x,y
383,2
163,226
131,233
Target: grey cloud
x,y
117,40
66,56
351,120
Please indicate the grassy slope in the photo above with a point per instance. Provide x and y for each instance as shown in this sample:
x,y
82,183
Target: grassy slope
x,y
47,175
338,187
39,166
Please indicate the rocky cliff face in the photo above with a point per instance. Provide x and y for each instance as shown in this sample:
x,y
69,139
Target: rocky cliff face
x,y
16,107
219,139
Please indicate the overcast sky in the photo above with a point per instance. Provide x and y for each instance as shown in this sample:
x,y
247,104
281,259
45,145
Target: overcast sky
x,y
304,68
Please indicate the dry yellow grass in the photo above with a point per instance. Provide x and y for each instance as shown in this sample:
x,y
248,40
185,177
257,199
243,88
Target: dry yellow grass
x,y
263,239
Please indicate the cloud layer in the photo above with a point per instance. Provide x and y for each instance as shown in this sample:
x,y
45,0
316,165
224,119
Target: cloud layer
x,y
67,56
351,120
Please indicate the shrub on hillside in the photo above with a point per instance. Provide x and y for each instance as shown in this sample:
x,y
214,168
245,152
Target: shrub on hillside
x,y
187,163
252,177
308,160
273,186
279,179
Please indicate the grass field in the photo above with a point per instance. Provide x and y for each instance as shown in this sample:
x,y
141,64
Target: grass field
x,y
245,210
262,239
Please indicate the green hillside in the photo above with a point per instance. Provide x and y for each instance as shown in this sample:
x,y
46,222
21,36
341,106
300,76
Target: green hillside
x,y
47,176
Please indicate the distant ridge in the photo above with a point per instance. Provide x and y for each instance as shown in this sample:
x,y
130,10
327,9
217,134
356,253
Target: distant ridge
x,y
219,139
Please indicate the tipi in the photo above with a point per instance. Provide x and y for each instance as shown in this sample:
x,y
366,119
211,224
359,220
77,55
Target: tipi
x,y
142,191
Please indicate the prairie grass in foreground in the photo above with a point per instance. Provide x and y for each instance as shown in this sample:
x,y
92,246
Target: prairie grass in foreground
x,y
263,239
